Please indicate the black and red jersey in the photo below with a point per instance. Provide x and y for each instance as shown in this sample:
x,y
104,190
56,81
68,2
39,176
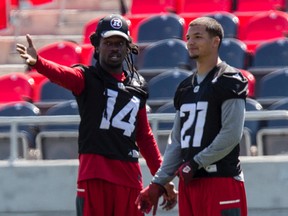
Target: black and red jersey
x,y
200,113
112,113
87,84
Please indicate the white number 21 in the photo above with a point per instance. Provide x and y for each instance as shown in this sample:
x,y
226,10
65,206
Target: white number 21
x,y
131,107
196,113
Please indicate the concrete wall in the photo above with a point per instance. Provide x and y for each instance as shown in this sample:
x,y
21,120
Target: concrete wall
x,y
27,187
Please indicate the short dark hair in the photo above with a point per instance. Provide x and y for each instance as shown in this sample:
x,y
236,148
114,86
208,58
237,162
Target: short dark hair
x,y
213,27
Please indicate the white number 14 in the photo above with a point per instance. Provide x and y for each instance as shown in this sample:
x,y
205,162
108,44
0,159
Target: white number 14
x,y
117,121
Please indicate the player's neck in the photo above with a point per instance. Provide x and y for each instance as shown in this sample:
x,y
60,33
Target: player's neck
x,y
206,65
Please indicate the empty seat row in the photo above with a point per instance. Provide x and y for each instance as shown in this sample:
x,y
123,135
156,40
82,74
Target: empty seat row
x,y
269,89
158,57
171,53
200,6
268,54
34,136
69,53
148,29
19,86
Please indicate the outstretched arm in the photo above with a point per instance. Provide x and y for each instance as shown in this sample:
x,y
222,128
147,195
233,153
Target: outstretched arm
x,y
29,54
71,78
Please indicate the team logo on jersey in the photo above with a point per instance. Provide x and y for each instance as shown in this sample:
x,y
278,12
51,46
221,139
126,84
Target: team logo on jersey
x,y
134,154
196,89
121,86
116,23
186,169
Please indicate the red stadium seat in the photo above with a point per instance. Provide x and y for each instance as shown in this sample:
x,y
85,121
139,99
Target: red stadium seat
x,y
244,18
204,6
3,15
246,9
87,54
14,4
89,28
63,52
152,6
264,26
259,5
40,2
16,87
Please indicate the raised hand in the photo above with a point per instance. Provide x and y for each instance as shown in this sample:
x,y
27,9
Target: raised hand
x,y
29,54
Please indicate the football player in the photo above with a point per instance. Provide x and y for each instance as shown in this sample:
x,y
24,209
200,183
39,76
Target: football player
x,y
204,148
114,127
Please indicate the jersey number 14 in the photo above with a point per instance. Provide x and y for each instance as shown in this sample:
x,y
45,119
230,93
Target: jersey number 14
x,y
117,121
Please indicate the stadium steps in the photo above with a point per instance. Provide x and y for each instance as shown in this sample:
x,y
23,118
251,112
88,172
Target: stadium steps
x,y
47,24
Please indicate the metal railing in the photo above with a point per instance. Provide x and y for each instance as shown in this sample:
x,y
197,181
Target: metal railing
x,y
154,119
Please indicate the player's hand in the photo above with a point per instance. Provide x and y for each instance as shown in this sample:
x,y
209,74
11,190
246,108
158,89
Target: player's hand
x,y
143,201
187,171
149,198
29,54
170,198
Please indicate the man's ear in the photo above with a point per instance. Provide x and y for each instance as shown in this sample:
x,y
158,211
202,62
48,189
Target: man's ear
x,y
93,39
216,41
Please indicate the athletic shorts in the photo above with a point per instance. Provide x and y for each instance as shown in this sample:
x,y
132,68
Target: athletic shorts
x,y
215,196
98,197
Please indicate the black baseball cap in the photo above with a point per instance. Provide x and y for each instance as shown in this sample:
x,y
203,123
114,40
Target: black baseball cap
x,y
112,25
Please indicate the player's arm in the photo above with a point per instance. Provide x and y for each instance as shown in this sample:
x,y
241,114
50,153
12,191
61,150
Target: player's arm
x,y
149,196
67,77
71,78
172,157
146,142
233,116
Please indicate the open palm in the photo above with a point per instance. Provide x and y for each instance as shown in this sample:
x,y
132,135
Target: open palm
x,y
29,54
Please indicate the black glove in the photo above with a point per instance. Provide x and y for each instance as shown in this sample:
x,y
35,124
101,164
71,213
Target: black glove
x,y
187,171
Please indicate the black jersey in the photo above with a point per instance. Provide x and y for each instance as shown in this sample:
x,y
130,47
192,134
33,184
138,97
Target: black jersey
x,y
111,108
200,114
